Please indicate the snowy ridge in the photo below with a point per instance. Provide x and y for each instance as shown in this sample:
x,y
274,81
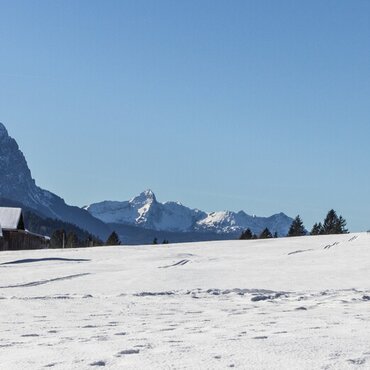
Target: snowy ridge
x,y
145,211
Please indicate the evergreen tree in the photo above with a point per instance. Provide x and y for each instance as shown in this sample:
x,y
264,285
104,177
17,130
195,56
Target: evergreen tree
x,y
89,242
297,227
72,240
276,235
155,241
246,235
113,239
342,225
265,234
92,241
334,224
317,229
56,240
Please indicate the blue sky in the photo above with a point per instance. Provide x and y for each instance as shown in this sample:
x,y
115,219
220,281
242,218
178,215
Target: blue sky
x,y
254,105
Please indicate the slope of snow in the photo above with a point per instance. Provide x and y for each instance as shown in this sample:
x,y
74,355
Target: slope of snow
x,y
145,211
293,303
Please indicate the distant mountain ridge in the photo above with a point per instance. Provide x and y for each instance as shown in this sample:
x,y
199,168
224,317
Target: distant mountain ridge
x,y
16,183
146,212
137,221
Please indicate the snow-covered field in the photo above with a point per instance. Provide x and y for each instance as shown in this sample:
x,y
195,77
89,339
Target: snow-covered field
x,y
294,303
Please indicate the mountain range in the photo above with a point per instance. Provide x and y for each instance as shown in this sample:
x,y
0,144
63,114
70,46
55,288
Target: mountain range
x,y
145,211
137,221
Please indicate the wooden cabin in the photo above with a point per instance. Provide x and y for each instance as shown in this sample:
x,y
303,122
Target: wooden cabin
x,y
14,236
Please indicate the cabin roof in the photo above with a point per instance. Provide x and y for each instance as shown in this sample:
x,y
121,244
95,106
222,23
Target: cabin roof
x,y
10,218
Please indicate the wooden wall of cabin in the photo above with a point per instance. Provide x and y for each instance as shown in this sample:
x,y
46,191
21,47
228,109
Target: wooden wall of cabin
x,y
2,243
18,240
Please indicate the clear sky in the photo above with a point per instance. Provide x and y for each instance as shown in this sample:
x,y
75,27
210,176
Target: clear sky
x,y
253,104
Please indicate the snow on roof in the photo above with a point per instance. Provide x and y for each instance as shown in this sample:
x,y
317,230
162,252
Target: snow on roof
x,y
10,217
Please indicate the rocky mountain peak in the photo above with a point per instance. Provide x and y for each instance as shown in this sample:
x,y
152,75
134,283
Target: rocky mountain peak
x,y
16,183
145,197
3,131
15,177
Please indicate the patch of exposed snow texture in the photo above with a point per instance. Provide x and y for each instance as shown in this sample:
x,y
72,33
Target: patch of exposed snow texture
x,y
145,211
228,304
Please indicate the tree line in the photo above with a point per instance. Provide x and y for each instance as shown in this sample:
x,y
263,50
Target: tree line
x,y
69,239
63,239
264,234
332,224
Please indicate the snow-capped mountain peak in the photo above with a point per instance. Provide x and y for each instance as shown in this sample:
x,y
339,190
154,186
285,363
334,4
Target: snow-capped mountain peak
x,y
145,197
145,211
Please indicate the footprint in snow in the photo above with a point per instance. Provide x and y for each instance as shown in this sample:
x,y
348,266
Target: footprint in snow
x,y
98,363
128,352
357,361
300,251
180,263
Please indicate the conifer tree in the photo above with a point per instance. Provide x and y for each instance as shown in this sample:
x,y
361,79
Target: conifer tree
x,y
334,224
113,239
297,227
342,225
265,234
317,229
56,240
246,235
72,240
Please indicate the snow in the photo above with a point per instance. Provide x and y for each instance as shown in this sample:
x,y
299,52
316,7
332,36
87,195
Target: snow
x,y
9,217
289,303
